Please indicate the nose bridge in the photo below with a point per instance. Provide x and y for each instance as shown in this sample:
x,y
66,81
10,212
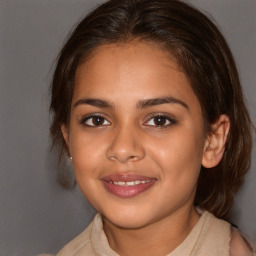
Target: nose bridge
x,y
125,144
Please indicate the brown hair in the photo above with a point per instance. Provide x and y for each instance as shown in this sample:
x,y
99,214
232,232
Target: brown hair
x,y
205,58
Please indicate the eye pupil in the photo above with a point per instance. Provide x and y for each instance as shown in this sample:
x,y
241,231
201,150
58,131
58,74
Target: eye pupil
x,y
97,120
160,120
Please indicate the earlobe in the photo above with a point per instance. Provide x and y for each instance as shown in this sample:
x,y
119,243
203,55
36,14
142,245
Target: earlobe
x,y
65,134
64,131
215,142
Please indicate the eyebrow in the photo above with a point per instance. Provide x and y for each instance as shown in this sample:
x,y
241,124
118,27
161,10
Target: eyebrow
x,y
101,103
95,102
158,101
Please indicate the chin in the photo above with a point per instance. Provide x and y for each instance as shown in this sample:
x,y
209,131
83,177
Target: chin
x,y
128,223
128,218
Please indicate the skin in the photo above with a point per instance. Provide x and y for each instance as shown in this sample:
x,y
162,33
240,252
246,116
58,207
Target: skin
x,y
129,140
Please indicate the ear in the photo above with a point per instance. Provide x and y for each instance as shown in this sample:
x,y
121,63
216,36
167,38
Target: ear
x,y
65,134
215,142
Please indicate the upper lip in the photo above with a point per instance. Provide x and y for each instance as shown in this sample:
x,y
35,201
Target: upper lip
x,y
126,177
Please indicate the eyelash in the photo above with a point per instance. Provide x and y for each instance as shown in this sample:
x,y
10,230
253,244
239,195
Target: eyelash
x,y
90,117
171,121
153,118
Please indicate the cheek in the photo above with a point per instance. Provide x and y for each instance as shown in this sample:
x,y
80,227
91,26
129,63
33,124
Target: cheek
x,y
180,162
179,154
87,153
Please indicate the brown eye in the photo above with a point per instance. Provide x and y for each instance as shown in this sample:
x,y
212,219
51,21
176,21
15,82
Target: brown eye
x,y
160,121
95,121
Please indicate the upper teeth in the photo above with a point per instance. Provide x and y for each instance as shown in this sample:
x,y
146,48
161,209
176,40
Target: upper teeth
x,y
129,183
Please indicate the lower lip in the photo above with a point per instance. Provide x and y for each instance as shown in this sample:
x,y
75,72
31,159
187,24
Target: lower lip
x,y
127,191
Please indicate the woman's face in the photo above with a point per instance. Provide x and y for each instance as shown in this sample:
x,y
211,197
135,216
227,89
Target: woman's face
x,y
136,134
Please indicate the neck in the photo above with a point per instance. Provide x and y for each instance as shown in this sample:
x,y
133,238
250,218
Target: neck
x,y
157,238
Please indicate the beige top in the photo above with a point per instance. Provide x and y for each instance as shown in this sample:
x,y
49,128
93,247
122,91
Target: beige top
x,y
210,236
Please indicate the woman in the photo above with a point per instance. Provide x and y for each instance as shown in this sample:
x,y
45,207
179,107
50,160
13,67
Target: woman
x,y
147,103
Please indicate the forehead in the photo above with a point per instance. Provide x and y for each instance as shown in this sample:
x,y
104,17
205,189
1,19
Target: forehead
x,y
114,70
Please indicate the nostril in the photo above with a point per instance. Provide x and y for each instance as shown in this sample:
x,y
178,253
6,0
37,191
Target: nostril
x,y
133,157
124,158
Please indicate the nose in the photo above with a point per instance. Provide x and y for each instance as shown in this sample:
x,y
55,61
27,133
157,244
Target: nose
x,y
125,146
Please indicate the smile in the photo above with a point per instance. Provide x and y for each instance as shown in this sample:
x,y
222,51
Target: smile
x,y
128,185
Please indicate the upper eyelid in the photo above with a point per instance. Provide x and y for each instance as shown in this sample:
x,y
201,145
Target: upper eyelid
x,y
91,115
168,116
94,114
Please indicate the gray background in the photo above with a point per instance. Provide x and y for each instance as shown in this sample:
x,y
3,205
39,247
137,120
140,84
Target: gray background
x,y
36,215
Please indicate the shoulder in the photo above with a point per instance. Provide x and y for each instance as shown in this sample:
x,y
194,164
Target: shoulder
x,y
80,242
238,245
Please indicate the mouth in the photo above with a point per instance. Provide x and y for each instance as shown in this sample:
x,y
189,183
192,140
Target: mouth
x,y
127,185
